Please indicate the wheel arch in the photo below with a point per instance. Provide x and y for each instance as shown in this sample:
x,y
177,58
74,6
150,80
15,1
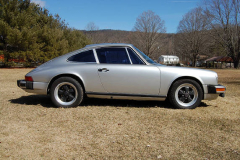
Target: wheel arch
x,y
77,78
186,77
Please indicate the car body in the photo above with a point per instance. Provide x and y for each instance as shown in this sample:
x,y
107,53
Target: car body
x,y
119,71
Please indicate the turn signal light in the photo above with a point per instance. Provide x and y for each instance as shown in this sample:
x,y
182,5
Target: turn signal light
x,y
28,78
220,89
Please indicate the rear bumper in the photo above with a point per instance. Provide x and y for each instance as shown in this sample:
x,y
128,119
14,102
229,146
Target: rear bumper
x,y
211,92
25,84
33,87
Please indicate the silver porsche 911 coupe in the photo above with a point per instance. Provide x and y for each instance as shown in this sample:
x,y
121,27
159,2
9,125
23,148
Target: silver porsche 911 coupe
x,y
119,71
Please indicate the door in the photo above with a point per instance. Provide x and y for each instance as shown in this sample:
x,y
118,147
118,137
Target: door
x,y
119,75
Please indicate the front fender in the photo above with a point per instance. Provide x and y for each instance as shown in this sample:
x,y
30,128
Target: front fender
x,y
170,74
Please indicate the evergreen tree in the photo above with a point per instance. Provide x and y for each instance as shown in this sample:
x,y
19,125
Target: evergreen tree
x,y
30,33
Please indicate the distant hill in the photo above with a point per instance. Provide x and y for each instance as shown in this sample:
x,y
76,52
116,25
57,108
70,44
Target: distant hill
x,y
108,36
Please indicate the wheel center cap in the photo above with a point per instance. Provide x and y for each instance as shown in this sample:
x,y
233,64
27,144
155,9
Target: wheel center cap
x,y
186,95
66,93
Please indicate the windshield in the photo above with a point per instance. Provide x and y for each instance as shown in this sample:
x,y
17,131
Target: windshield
x,y
149,60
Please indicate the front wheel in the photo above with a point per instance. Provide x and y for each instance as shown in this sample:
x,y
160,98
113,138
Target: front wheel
x,y
66,92
185,94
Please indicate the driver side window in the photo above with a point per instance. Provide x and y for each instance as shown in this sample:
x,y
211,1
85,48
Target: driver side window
x,y
113,55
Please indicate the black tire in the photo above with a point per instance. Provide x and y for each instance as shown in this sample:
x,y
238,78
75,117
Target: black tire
x,y
185,94
66,92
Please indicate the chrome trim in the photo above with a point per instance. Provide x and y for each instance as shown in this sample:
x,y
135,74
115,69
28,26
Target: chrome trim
x,y
125,96
122,94
220,86
95,55
128,55
21,83
25,84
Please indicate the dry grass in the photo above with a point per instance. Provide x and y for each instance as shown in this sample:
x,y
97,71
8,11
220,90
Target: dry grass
x,y
31,128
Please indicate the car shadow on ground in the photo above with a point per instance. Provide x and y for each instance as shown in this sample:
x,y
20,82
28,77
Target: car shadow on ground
x,y
42,100
45,101
126,103
131,103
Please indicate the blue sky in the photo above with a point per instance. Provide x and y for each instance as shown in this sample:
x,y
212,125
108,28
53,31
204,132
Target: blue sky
x,y
117,14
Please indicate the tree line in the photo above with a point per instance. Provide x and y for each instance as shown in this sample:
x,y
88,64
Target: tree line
x,y
30,34
211,30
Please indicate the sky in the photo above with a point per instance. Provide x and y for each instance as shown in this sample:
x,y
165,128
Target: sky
x,y
117,14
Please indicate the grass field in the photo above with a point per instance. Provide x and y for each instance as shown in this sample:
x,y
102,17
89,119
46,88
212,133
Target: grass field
x,y
32,128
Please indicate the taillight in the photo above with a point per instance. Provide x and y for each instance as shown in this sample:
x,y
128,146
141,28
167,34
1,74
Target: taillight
x,y
28,78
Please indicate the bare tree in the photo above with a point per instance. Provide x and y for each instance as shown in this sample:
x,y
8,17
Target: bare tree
x,y
147,30
225,21
92,33
91,26
192,35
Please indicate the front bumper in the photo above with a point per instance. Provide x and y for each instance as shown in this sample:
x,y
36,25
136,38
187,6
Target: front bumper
x,y
213,91
33,87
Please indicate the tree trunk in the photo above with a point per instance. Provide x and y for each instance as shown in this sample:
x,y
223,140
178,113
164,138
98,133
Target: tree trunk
x,y
236,60
194,60
236,64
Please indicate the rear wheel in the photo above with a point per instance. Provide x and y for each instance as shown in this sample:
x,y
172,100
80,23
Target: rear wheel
x,y
66,92
185,94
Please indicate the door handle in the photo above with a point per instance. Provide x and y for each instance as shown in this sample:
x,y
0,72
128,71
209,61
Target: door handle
x,y
103,69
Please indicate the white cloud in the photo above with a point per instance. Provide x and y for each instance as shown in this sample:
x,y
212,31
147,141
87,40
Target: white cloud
x,y
39,2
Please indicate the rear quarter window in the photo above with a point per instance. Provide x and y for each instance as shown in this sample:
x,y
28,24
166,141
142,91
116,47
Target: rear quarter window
x,y
86,56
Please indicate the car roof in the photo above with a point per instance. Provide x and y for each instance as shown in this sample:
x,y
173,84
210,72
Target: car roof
x,y
107,45
169,56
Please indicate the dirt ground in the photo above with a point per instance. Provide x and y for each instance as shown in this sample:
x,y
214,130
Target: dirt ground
x,y
32,128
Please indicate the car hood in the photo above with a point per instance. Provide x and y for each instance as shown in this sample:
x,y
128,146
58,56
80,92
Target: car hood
x,y
185,69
